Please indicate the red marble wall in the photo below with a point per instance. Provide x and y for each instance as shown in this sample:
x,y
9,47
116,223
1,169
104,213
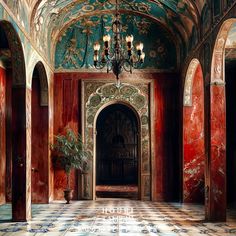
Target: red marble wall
x,y
217,170
166,131
194,147
2,135
39,148
66,114
166,172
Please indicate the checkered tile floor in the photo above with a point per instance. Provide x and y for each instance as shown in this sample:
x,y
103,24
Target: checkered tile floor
x,y
115,217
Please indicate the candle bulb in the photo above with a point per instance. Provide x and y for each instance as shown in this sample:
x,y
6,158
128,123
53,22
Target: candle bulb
x,y
96,46
139,48
106,40
142,57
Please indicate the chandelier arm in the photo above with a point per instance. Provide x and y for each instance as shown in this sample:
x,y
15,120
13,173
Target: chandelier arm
x,y
129,64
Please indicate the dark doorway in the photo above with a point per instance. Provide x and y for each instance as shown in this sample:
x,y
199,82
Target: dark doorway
x,y
230,71
117,152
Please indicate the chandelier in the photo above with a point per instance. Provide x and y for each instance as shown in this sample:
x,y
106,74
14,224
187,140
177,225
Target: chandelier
x,y
118,54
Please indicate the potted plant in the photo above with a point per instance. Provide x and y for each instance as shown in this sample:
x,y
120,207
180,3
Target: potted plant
x,y
69,153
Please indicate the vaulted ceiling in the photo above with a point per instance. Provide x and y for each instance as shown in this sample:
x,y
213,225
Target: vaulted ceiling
x,y
49,19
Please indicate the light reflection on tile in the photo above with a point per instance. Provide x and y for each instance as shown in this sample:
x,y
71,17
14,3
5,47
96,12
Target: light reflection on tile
x,y
115,217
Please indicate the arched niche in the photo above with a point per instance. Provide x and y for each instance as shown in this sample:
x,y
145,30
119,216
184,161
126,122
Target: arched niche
x,y
96,96
188,85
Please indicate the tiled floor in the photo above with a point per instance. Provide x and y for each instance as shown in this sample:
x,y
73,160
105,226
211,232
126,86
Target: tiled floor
x,y
115,217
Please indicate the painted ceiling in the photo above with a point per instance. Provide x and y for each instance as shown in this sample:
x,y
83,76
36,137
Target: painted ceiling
x,y
49,19
74,49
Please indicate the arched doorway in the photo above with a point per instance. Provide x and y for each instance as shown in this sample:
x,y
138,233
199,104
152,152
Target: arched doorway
x,y
193,135
39,134
117,152
13,105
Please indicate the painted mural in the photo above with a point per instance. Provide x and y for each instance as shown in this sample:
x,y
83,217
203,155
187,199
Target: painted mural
x,y
178,16
20,9
75,47
45,19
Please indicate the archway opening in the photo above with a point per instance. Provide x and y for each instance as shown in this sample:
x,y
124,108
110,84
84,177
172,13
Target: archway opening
x,y
39,134
117,152
230,70
193,135
13,123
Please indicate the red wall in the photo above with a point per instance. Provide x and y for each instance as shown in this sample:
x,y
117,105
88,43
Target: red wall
x,y
39,161
2,135
166,120
67,108
194,147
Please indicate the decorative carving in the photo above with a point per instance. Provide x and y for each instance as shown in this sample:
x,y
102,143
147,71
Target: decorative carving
x,y
218,59
189,82
98,95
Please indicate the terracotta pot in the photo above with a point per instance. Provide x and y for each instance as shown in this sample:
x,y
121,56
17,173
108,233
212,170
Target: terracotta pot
x,y
68,194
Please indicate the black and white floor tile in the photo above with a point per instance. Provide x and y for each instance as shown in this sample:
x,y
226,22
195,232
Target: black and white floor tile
x,y
115,217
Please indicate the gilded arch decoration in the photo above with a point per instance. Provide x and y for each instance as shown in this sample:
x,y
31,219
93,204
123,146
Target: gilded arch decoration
x,y
188,86
96,96
218,58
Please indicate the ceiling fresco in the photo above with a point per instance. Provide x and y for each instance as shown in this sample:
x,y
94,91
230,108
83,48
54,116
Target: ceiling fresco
x,y
74,49
21,10
47,20
181,17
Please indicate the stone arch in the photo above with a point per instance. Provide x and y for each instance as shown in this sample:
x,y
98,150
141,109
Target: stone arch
x,y
188,86
218,56
99,95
